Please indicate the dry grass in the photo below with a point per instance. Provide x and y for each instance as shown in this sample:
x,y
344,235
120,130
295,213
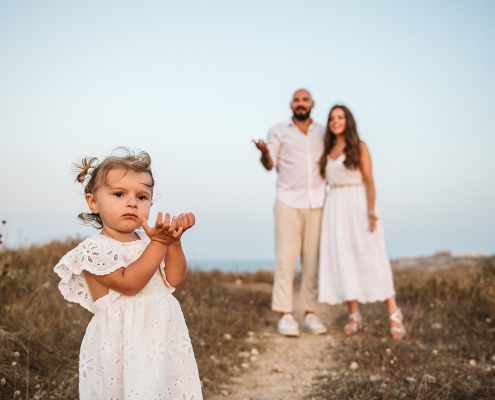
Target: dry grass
x,y
46,332
449,352
40,332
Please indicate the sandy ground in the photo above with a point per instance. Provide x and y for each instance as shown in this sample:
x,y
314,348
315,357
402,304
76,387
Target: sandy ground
x,y
288,368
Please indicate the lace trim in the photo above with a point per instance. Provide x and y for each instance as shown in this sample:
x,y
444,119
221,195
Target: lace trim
x,y
100,256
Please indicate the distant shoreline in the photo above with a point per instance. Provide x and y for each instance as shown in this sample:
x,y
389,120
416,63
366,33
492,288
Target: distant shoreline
x,y
439,260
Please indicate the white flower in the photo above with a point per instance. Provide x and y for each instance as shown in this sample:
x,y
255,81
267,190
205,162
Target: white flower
x,y
156,352
86,366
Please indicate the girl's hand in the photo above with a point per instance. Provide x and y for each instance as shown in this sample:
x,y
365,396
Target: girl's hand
x,y
186,221
164,232
372,218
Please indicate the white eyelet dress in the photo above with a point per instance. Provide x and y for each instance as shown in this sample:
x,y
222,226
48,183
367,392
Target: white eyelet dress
x,y
135,347
353,261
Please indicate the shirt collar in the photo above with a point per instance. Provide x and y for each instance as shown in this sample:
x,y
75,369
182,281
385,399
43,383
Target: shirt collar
x,y
290,122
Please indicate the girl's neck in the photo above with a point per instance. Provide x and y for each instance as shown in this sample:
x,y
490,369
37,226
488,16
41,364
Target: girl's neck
x,y
119,236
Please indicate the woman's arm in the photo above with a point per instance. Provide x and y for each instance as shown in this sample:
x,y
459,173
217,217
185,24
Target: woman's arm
x,y
369,184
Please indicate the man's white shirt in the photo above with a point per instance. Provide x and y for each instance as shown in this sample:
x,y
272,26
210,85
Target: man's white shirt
x,y
296,156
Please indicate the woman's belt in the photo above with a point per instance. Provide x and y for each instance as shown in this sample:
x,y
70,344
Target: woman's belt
x,y
344,185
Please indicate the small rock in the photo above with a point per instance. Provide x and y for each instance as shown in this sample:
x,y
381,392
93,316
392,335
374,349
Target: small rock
x,y
430,379
493,358
238,281
206,380
366,353
224,392
214,359
488,369
354,366
488,320
253,358
227,337
245,365
255,352
250,333
410,379
383,386
472,363
202,343
392,362
436,325
375,378
434,352
388,351
278,370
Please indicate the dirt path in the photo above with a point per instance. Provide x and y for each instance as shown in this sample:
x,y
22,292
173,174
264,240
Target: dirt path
x,y
288,367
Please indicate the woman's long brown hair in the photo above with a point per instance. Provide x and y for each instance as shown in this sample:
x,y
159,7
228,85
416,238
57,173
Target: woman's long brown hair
x,y
352,148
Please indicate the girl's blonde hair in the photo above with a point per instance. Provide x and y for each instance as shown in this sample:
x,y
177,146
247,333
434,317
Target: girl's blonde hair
x,y
93,174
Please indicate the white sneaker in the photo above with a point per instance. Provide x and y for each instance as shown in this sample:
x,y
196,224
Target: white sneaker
x,y
314,324
288,326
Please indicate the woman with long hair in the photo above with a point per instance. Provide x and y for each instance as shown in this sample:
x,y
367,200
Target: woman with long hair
x,y
354,266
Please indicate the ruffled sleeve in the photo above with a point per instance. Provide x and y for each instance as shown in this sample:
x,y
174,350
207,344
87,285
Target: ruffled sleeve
x,y
94,255
170,288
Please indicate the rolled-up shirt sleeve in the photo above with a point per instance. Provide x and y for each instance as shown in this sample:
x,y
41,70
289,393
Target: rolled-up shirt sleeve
x,y
274,143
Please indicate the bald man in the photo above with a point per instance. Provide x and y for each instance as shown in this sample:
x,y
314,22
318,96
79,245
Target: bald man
x,y
294,148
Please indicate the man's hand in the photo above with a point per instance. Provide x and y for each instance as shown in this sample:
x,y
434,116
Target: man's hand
x,y
265,159
261,146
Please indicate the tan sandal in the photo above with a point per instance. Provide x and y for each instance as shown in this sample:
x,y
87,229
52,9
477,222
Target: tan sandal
x,y
355,323
396,332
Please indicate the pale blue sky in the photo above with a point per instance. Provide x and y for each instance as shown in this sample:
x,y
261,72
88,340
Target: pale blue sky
x,y
192,82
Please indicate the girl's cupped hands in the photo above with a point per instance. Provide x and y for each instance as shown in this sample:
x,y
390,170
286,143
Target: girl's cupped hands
x,y
169,230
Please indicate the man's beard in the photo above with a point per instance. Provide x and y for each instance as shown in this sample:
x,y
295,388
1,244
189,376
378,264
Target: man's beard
x,y
301,117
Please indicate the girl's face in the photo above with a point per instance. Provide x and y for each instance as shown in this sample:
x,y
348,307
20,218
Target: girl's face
x,y
337,121
122,202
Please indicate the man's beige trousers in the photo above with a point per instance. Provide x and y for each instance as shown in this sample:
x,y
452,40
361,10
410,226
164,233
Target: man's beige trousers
x,y
297,233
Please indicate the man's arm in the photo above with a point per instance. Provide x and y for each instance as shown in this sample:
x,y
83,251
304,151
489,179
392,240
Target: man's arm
x,y
265,159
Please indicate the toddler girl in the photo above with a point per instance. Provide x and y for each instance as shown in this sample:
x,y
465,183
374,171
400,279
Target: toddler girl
x,y
137,344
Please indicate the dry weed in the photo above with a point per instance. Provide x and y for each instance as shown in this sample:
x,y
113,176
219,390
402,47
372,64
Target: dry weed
x,y
448,353
40,332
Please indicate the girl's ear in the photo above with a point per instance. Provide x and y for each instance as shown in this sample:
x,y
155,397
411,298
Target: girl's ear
x,y
90,199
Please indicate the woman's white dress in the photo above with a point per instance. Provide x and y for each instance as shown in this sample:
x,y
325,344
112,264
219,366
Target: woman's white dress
x,y
353,261
135,346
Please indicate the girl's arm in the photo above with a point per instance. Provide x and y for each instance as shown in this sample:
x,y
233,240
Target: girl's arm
x,y
369,184
131,280
175,264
